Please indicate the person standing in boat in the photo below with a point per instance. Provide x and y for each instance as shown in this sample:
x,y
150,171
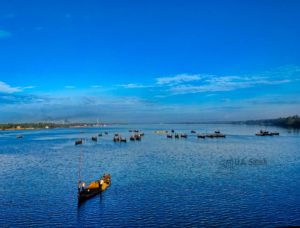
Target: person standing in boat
x,y
81,186
100,182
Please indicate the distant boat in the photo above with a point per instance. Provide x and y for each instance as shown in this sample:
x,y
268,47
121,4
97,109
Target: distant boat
x,y
100,134
94,138
123,140
193,132
19,136
216,134
183,135
201,136
169,136
118,138
132,138
266,133
78,142
178,136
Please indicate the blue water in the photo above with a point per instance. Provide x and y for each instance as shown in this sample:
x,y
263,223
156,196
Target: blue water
x,y
242,180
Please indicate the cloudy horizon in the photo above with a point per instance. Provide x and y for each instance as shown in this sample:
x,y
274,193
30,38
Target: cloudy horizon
x,y
191,62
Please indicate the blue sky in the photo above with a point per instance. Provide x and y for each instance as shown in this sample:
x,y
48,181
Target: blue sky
x,y
149,61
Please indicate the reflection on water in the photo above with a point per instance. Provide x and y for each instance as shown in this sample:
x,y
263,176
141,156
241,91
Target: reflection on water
x,y
236,181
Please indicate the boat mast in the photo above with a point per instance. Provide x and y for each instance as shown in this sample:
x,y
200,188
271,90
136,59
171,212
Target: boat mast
x,y
80,165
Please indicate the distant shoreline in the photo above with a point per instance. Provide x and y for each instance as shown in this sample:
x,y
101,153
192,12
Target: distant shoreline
x,y
287,122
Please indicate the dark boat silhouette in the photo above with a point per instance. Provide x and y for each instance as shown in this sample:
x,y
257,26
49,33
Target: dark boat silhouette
x,y
266,133
78,142
216,134
94,138
201,136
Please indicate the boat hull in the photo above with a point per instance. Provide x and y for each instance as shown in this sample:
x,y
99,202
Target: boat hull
x,y
94,189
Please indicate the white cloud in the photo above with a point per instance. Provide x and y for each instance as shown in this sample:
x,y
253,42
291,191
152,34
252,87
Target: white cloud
x,y
223,84
5,88
135,86
200,83
180,78
28,87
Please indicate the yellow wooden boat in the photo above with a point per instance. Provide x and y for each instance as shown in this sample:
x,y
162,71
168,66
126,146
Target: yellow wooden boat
x,y
93,189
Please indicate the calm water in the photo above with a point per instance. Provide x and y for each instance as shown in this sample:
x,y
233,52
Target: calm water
x,y
242,180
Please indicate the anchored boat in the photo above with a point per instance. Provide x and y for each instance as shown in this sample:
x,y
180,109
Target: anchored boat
x,y
94,188
266,133
78,142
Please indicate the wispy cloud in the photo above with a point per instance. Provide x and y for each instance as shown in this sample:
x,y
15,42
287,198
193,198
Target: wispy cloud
x,y
4,34
9,99
207,83
5,88
223,84
96,86
135,86
177,79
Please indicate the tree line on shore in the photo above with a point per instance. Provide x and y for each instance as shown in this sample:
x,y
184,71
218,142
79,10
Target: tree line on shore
x,y
288,122
16,126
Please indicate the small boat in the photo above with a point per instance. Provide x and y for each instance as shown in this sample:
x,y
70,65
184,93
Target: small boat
x,y
200,136
193,132
19,136
183,136
78,142
106,133
177,136
123,140
138,137
217,134
100,134
169,136
93,189
266,133
132,138
172,131
135,137
94,138
117,139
